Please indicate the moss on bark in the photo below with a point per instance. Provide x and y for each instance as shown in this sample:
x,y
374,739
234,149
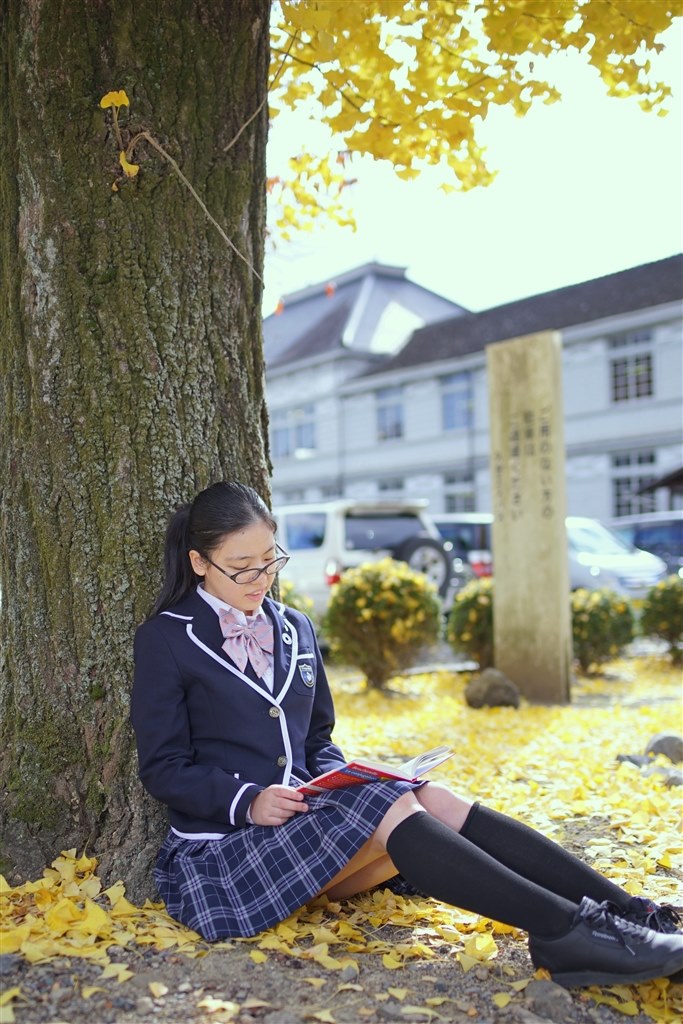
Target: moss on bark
x,y
131,373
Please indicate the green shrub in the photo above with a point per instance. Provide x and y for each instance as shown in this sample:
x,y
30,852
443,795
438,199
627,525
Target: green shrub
x,y
380,615
470,624
602,624
662,615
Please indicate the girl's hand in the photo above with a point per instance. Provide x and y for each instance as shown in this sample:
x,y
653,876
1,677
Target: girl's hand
x,y
274,805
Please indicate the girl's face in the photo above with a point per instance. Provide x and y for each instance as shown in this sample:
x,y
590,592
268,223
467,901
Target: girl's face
x,y
250,548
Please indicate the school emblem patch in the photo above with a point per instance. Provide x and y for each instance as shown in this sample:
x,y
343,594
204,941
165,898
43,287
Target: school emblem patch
x,y
306,672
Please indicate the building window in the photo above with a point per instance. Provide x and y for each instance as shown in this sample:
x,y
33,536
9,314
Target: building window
x,y
279,436
304,428
459,503
631,373
632,377
629,338
456,401
293,496
293,432
391,485
458,490
632,471
389,413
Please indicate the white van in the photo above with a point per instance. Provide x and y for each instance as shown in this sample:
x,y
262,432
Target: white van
x,y
326,538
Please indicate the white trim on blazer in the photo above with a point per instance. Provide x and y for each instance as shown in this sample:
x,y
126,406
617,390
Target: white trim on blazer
x,y
275,701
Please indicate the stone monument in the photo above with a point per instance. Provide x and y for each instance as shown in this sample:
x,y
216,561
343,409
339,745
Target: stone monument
x,y
532,622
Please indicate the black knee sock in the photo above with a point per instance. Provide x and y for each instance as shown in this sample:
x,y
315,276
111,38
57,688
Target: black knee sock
x,y
437,860
537,858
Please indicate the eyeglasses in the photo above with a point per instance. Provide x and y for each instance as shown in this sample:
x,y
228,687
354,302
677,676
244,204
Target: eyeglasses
x,y
251,575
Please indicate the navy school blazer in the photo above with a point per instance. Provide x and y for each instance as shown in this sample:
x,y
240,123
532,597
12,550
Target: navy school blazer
x,y
209,737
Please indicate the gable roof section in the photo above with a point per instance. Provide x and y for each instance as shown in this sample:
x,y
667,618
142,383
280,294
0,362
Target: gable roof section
x,y
324,336
652,284
302,319
335,316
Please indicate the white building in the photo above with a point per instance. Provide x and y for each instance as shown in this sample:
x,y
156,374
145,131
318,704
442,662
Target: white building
x,y
377,387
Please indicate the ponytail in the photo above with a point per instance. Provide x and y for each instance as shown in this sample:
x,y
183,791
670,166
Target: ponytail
x,y
179,575
201,526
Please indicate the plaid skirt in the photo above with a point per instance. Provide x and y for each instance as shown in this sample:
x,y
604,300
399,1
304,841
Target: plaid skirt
x,y
257,876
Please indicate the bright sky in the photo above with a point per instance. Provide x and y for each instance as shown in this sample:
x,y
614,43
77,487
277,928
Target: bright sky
x,y
586,187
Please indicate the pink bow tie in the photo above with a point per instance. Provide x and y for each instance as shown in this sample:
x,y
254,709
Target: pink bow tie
x,y
252,641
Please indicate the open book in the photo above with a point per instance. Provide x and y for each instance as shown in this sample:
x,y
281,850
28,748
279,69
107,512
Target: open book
x,y
359,771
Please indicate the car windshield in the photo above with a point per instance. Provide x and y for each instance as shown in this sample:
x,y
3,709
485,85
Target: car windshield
x,y
305,530
375,532
595,539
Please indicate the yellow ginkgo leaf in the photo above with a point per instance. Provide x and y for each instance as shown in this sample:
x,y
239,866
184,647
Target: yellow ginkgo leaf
x,y
89,990
118,971
9,994
481,947
215,1005
130,170
257,956
115,99
466,962
501,999
398,993
158,989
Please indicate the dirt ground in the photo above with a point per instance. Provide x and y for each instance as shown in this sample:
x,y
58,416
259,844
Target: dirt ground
x,y
283,990
227,985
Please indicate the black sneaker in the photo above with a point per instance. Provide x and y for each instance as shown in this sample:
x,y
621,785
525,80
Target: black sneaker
x,y
400,886
603,949
649,914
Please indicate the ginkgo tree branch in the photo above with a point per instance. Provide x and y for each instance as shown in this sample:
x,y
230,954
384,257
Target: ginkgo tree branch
x,y
188,185
265,98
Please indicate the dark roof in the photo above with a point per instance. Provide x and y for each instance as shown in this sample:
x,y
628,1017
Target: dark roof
x,y
674,481
649,285
324,336
303,318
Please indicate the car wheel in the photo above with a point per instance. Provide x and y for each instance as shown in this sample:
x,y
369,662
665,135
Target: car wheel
x,y
426,555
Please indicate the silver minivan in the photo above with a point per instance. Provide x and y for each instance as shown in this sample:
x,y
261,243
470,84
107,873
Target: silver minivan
x,y
597,556
660,533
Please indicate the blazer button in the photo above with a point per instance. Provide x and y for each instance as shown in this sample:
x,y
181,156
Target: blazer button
x,y
281,761
274,712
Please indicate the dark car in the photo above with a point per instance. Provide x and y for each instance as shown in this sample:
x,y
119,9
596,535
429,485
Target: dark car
x,y
658,532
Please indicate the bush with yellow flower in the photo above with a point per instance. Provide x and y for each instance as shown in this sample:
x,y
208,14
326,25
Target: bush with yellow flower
x,y
602,624
380,616
293,598
470,623
662,615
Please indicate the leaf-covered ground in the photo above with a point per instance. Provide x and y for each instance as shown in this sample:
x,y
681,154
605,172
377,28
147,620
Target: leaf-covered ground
x,y
75,953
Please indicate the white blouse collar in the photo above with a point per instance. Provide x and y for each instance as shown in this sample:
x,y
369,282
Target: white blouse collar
x,y
219,606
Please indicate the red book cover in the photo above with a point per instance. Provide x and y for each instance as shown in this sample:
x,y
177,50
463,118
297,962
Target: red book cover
x,y
360,771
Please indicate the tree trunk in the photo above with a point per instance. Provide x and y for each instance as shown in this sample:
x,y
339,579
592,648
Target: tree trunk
x,y
131,375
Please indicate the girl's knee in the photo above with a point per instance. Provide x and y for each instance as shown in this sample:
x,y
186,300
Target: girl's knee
x,y
403,808
445,805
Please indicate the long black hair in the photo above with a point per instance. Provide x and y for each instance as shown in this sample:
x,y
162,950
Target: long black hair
x,y
201,525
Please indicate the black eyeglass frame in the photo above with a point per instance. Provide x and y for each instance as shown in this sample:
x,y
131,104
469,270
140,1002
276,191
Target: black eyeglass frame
x,y
280,562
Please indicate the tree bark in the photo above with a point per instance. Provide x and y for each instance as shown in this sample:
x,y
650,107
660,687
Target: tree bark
x,y
131,375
